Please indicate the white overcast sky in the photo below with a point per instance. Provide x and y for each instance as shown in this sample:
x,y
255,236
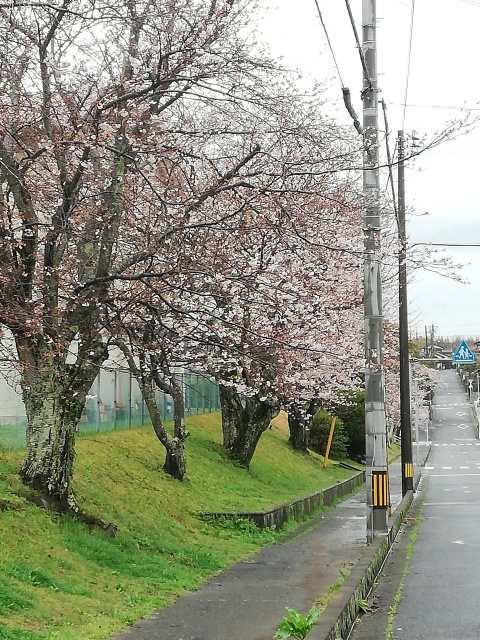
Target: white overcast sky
x,y
443,79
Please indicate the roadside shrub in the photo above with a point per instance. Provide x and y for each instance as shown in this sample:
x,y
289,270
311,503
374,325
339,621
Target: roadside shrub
x,y
319,431
352,413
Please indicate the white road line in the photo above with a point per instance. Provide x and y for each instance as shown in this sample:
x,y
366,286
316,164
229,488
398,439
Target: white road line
x,y
449,504
453,475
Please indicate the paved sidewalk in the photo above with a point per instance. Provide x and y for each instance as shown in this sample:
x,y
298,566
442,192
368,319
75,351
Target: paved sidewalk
x,y
248,600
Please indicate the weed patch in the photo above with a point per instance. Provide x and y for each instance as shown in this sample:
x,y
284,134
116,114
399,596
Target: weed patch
x,y
12,600
9,633
37,577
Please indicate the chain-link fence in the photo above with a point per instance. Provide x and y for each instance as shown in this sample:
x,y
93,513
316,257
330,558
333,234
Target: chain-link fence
x,y
114,402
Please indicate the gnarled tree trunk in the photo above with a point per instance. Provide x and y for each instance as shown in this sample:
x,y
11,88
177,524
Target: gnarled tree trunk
x,y
298,426
54,395
231,407
175,462
243,422
300,417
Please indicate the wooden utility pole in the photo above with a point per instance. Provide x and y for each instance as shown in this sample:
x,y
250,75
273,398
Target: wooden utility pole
x,y
375,416
405,394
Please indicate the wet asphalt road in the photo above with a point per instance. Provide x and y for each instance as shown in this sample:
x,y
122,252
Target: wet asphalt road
x,y
247,601
441,594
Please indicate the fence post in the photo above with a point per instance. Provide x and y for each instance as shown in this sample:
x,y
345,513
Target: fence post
x,y
98,401
129,400
114,399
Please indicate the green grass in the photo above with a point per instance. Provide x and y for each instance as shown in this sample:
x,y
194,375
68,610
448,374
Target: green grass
x,y
61,580
394,451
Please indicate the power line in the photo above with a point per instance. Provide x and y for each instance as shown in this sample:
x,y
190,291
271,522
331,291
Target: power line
x,y
434,106
347,100
389,160
329,43
359,47
444,244
412,15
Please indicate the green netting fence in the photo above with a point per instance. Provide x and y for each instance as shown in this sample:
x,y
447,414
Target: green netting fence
x,y
115,402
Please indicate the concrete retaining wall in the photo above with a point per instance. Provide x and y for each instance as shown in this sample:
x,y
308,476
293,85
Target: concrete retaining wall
x,y
297,509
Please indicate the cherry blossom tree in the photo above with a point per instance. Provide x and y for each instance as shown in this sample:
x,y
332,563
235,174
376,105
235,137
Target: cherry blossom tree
x,y
98,104
256,271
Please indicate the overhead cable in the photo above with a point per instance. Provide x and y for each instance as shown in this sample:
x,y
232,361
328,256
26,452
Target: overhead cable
x,y
359,47
436,106
389,160
347,98
412,15
329,43
445,244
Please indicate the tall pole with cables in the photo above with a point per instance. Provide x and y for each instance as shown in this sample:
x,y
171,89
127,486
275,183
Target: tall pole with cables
x,y
375,416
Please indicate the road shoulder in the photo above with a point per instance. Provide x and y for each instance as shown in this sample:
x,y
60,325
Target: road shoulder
x,y
379,621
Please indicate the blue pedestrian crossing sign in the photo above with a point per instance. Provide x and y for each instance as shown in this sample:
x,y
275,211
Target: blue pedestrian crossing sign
x,y
463,354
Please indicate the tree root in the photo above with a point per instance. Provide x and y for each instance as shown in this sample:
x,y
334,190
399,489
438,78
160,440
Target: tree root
x,y
110,529
5,505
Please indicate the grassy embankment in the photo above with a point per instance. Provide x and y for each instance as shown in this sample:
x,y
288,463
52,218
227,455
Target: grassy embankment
x,y
58,579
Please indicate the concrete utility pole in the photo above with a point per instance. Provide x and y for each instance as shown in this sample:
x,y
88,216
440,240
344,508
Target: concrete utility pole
x,y
432,338
375,423
405,394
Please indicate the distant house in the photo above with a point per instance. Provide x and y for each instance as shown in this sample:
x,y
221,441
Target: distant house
x,y
440,353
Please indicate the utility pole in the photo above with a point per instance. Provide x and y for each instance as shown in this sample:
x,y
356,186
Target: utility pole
x,y
405,393
375,415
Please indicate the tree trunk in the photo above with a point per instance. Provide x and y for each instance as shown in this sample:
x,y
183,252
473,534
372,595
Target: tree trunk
x,y
54,394
244,422
300,417
175,463
53,409
231,408
298,423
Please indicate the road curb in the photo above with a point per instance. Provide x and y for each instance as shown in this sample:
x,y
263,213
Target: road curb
x,y
340,614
